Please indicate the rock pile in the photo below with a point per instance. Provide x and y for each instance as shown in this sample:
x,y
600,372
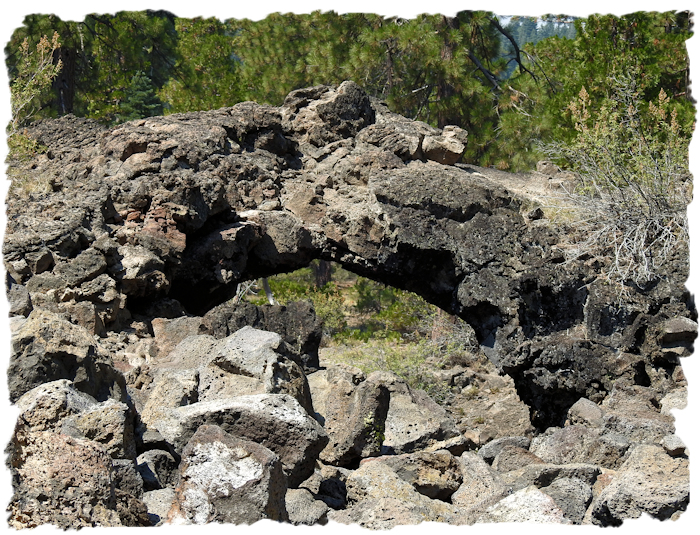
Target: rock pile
x,y
130,361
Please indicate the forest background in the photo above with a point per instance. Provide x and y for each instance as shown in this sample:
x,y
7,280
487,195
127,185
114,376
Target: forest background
x,y
508,81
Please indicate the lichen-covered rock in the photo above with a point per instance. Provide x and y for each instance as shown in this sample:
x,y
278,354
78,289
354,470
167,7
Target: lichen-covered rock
x,y
228,480
355,417
526,505
276,421
633,412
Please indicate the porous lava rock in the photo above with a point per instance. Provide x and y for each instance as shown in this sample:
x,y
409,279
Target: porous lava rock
x,y
122,278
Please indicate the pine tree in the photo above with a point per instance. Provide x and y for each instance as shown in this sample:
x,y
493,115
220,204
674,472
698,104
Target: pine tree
x,y
140,100
206,71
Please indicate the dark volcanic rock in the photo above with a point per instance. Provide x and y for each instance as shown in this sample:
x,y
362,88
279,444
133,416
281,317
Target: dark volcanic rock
x,y
147,228
47,347
296,323
195,203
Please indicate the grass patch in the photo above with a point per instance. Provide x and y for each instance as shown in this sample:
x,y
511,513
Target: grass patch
x,y
25,179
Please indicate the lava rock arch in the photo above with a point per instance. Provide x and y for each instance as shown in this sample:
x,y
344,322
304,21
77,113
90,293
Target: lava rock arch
x,y
166,215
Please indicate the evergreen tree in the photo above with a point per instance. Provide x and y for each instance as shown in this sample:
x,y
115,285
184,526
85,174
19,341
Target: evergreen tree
x,y
124,44
206,71
648,46
100,55
140,100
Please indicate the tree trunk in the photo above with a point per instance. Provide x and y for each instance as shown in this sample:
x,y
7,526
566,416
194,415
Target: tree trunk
x,y
323,272
64,83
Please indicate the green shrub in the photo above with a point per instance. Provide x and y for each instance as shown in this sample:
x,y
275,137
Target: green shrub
x,y
35,74
412,361
328,301
634,182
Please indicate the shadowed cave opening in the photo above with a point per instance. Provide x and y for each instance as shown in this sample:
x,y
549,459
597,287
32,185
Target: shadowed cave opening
x,y
374,324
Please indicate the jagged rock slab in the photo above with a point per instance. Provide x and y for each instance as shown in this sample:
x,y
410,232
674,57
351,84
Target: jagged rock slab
x,y
276,421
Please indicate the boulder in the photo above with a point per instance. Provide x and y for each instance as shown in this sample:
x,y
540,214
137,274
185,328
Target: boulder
x,y
19,300
276,421
327,484
260,355
380,499
228,480
579,444
676,399
86,266
649,481
158,504
542,475
169,332
436,475
585,412
60,407
526,505
323,114
127,478
64,481
415,422
481,486
304,509
489,407
673,445
446,148
320,384
171,389
513,458
202,368
355,418
47,348
572,495
490,450
633,412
